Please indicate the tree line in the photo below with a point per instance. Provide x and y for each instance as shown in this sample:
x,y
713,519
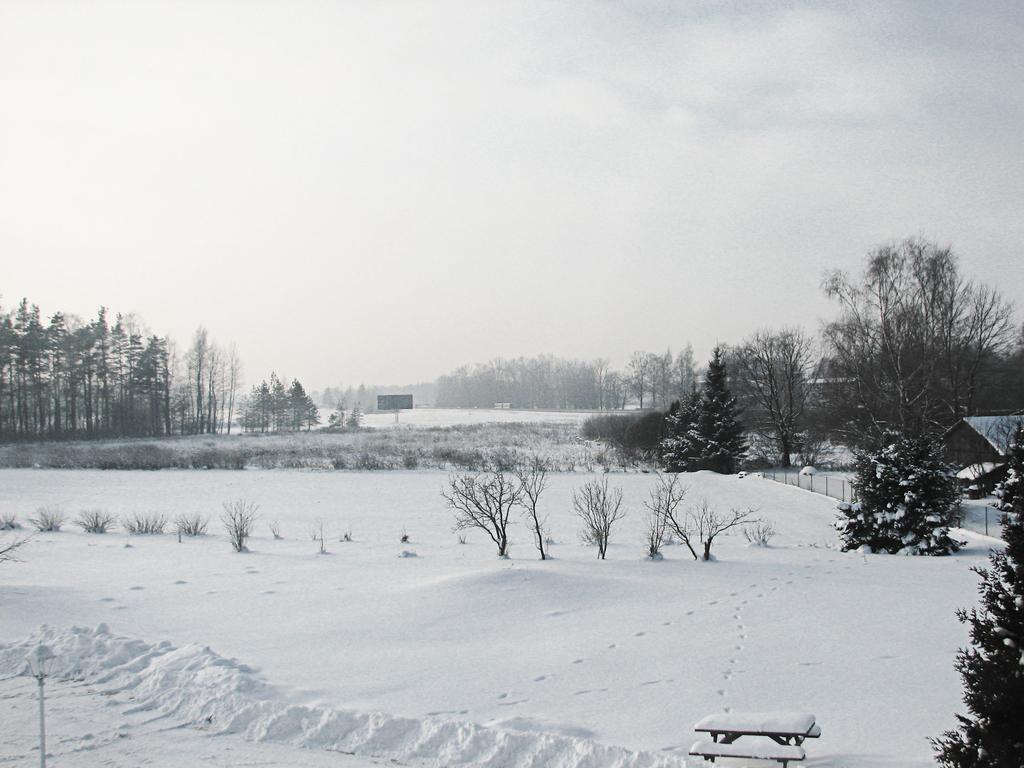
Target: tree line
x,y
107,377
273,407
915,346
69,378
547,381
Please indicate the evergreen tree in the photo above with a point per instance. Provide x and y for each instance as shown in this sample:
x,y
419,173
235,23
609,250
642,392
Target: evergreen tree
x,y
297,405
675,446
278,404
716,440
355,417
992,668
1012,488
906,500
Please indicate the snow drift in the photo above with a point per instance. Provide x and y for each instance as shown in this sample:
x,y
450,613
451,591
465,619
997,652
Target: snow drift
x,y
194,686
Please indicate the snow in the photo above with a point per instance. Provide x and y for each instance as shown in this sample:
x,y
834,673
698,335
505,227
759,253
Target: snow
x,y
757,722
194,686
615,659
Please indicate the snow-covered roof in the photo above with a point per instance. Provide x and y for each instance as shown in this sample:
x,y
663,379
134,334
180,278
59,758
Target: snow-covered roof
x,y
998,430
974,471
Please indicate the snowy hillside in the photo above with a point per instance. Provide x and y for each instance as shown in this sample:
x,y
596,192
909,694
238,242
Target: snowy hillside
x,y
470,660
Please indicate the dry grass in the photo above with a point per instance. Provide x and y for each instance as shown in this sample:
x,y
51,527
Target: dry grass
x,y
472,448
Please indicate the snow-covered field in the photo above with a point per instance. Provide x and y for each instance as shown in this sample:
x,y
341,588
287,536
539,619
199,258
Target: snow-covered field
x,y
448,417
464,658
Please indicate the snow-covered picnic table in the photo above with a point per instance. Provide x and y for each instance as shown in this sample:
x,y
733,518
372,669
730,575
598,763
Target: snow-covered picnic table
x,y
785,730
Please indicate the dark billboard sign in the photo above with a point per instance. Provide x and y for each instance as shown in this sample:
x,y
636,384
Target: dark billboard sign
x,y
394,402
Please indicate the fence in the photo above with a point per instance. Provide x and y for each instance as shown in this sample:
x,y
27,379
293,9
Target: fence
x,y
838,488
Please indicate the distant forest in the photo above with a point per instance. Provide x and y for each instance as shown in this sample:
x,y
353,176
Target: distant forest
x,y
108,377
650,380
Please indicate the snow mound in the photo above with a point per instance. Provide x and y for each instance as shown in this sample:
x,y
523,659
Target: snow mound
x,y
194,686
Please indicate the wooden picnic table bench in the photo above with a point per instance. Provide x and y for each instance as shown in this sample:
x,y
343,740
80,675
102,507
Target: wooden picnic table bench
x,y
786,729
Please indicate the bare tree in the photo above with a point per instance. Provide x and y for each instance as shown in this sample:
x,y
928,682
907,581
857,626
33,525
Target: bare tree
x,y
914,340
599,508
702,523
665,497
533,481
239,518
684,373
707,523
234,380
775,369
484,501
196,361
640,374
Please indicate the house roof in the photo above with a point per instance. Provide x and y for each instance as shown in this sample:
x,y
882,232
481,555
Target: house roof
x,y
998,430
974,471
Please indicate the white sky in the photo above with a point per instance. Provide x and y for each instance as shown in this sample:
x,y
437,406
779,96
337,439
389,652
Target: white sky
x,y
382,191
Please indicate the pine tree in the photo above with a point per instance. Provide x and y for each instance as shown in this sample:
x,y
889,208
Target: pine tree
x,y
1012,488
906,500
992,668
298,406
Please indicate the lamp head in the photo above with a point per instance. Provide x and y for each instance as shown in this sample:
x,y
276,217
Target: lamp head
x,y
39,660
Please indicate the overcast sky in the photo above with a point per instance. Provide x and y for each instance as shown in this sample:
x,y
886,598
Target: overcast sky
x,y
380,192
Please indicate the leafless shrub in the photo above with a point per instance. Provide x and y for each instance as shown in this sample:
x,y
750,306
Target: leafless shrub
x,y
144,523
405,536
239,518
759,532
599,508
9,548
654,535
191,525
275,529
95,521
317,533
9,521
665,497
533,480
462,538
346,536
485,502
48,519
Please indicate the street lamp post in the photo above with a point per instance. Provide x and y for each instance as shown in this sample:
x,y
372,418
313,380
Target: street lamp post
x,y
38,662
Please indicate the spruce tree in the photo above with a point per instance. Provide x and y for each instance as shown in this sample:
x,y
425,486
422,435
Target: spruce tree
x,y
992,668
906,500
716,438
675,446
355,417
1012,488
